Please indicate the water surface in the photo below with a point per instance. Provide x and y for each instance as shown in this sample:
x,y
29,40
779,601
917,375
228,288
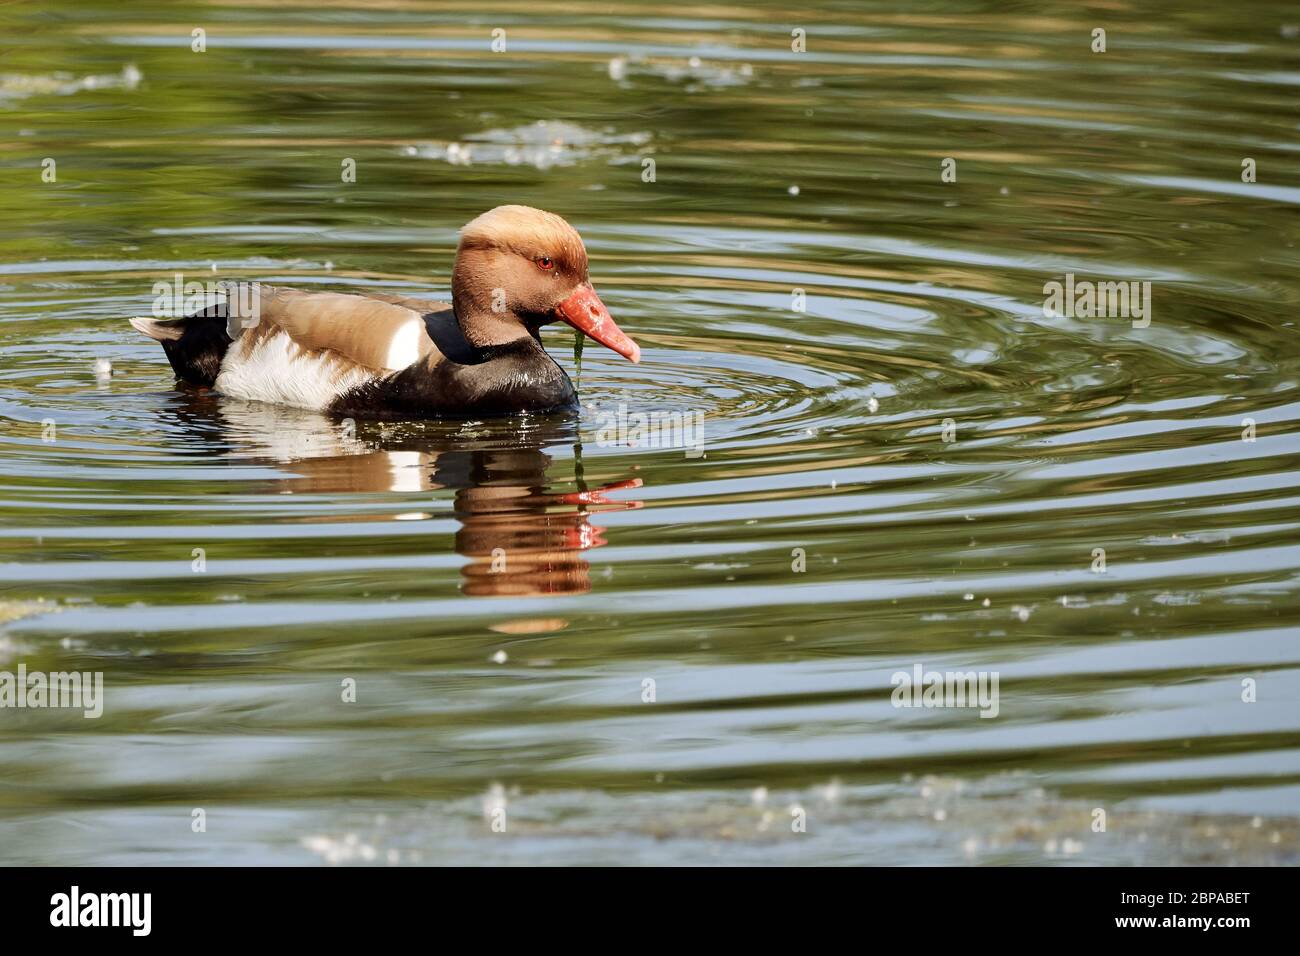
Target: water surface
x,y
917,468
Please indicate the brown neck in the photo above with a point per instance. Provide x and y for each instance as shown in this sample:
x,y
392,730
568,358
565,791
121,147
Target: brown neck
x,y
481,311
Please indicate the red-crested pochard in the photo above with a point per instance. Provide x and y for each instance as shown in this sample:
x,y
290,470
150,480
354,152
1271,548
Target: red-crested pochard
x,y
517,268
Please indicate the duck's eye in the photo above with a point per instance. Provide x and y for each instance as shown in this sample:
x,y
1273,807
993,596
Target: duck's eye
x,y
545,262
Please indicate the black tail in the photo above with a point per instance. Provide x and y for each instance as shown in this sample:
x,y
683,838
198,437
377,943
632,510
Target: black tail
x,y
195,345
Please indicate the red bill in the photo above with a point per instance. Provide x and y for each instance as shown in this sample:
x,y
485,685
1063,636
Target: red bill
x,y
585,312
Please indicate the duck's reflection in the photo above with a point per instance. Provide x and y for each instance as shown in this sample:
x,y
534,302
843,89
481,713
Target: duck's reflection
x,y
520,538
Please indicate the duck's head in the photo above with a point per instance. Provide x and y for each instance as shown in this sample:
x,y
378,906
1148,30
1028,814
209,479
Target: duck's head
x,y
518,268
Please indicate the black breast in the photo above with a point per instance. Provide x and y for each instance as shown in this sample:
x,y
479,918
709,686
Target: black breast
x,y
497,380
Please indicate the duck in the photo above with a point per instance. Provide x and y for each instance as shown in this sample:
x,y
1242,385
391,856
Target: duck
x,y
372,354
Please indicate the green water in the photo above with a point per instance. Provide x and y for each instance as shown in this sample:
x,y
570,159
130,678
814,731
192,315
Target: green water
x,y
917,468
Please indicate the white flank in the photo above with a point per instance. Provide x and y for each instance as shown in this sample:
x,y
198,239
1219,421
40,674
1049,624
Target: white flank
x,y
404,349
276,369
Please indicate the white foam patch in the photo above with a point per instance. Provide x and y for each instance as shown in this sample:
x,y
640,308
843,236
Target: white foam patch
x,y
408,469
276,369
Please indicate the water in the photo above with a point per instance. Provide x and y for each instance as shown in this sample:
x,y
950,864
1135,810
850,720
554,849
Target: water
x,y
941,459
